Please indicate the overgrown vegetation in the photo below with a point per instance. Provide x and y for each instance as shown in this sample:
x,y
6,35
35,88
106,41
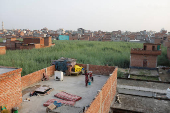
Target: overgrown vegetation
x,y
145,77
1,40
120,74
91,52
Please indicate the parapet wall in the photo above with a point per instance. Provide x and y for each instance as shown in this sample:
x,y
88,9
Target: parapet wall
x,y
98,69
102,102
35,77
10,89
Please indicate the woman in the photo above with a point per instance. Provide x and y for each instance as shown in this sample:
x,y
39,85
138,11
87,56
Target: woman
x,y
86,78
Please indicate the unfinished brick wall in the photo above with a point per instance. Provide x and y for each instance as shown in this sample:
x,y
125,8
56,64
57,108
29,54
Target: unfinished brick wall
x,y
31,40
10,89
102,102
137,60
98,69
50,70
35,77
30,46
32,78
157,41
2,50
46,41
168,53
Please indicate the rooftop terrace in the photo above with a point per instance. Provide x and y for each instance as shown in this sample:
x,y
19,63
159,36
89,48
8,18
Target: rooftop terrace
x,y
71,84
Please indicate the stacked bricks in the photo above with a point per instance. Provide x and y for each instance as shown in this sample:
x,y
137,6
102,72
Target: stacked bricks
x,y
2,50
10,89
35,77
102,102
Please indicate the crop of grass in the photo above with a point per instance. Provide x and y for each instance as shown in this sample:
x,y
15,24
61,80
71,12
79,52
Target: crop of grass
x,y
1,40
145,77
86,52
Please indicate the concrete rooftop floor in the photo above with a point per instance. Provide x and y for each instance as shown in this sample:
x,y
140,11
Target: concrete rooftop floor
x,y
5,70
71,84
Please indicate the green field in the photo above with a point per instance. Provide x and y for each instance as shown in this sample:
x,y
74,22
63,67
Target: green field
x,y
87,52
1,40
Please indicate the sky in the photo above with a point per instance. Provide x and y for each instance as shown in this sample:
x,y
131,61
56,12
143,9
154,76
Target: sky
x,y
105,15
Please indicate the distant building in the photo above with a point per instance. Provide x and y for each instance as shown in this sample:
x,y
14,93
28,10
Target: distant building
x,y
80,31
145,57
63,37
27,43
61,31
2,50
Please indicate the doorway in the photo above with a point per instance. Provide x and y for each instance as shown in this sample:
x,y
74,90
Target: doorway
x,y
145,63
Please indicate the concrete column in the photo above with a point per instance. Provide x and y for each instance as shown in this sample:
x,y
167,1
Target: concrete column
x,y
87,67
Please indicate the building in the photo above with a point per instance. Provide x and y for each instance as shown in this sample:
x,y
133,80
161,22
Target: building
x,y
61,31
2,50
63,37
80,31
167,44
145,57
27,43
10,85
99,98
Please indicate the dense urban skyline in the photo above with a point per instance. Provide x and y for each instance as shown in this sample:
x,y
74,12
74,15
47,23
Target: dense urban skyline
x,y
106,15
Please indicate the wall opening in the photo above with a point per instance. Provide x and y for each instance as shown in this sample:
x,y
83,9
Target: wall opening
x,y
145,63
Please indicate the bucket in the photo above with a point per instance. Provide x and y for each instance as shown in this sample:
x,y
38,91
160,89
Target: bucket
x,y
15,110
89,83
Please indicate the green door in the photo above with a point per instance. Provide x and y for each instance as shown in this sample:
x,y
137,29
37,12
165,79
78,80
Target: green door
x,y
158,47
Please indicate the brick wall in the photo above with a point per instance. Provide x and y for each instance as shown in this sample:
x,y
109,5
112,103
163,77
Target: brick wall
x,y
50,70
157,41
102,102
98,69
30,46
10,89
137,60
35,77
37,46
2,50
31,40
168,53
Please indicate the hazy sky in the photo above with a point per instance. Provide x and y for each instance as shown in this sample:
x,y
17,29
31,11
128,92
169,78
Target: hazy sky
x,y
106,15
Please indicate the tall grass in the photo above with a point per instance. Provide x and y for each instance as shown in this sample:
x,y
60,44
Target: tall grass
x,y
1,40
87,52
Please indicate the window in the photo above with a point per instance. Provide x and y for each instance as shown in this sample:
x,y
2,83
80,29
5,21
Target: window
x,y
144,47
153,48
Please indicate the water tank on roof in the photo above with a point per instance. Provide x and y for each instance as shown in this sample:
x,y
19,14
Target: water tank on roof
x,y
58,75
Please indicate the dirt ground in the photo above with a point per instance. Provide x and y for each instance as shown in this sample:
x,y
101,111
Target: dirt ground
x,y
142,104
